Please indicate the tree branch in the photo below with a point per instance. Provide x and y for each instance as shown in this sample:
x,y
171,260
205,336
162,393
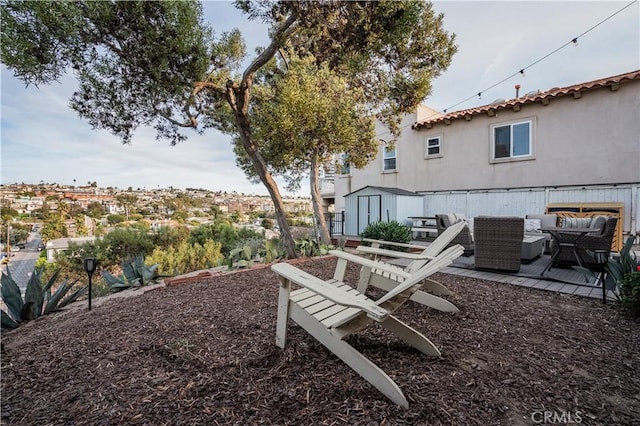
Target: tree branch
x,y
281,33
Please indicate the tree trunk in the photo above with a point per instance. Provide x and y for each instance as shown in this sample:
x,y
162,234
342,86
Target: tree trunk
x,y
238,98
267,179
316,201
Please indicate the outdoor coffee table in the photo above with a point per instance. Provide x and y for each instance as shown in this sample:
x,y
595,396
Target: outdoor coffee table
x,y
532,247
573,244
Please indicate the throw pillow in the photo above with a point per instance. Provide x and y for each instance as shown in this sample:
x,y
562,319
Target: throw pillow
x,y
576,222
532,225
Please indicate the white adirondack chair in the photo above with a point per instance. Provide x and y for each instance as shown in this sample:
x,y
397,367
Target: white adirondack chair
x,y
388,278
332,310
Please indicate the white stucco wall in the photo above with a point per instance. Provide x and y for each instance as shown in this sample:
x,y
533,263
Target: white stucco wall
x,y
594,139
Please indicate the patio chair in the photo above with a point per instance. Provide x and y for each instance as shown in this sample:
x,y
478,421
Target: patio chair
x,y
464,238
498,242
597,240
428,294
331,311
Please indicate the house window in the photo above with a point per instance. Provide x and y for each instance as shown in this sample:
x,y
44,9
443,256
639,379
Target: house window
x,y
345,167
389,157
512,140
433,147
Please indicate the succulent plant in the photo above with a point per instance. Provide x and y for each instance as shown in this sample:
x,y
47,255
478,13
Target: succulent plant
x,y
38,300
241,257
134,274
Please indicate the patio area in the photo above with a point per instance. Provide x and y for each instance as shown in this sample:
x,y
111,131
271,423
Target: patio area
x,y
560,280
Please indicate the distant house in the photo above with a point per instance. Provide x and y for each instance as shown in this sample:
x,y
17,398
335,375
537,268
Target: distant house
x,y
513,157
54,247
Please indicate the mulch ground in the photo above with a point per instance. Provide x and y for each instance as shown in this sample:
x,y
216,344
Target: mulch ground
x,y
203,353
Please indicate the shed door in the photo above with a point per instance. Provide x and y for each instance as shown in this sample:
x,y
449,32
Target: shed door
x,y
369,208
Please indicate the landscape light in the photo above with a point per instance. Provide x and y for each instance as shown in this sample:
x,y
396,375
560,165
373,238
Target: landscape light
x,y
90,264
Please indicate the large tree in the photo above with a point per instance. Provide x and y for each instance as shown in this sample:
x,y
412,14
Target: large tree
x,y
157,64
308,114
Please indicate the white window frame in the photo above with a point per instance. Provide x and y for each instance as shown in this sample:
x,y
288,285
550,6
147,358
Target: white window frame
x,y
511,124
344,168
388,156
427,146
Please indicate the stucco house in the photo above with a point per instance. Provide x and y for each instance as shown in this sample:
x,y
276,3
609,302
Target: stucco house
x,y
54,247
513,157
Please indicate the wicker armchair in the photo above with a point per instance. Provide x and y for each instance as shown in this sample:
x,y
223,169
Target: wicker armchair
x,y
592,241
498,242
464,238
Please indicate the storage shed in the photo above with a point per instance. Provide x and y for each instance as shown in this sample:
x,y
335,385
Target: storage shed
x,y
376,203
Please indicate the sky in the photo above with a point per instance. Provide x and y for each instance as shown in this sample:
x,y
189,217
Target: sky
x,y
43,139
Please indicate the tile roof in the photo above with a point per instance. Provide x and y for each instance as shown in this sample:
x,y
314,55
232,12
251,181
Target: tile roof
x,y
530,97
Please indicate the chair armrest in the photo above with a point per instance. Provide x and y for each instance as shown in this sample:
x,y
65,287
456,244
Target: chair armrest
x,y
392,253
393,243
330,291
368,263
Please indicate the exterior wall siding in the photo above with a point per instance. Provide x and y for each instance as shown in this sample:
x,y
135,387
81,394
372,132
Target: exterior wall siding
x,y
509,202
392,207
585,148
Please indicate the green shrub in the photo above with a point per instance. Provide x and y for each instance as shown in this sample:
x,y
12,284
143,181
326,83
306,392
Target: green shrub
x,y
387,231
630,292
187,257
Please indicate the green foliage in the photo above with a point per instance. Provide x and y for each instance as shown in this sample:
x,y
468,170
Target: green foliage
x,y
310,247
38,299
134,274
622,277
623,272
166,237
53,227
115,218
223,232
187,257
630,292
388,231
7,211
241,257
273,250
122,243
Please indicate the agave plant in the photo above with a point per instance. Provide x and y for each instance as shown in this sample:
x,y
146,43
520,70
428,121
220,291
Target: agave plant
x,y
38,300
134,274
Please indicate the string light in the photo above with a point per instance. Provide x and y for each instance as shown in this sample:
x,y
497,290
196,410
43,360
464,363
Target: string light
x,y
573,41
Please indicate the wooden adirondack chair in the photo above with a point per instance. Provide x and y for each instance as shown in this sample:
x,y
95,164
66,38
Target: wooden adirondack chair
x,y
428,294
332,310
